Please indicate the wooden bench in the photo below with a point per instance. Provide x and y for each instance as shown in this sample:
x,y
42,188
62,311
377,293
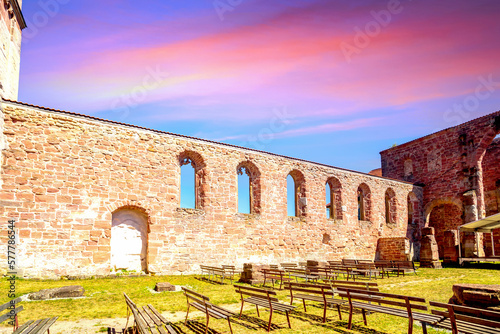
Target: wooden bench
x,y
288,265
464,319
405,267
302,273
367,286
31,326
323,272
368,270
347,271
391,304
214,273
230,272
321,293
265,298
147,319
349,262
275,275
202,303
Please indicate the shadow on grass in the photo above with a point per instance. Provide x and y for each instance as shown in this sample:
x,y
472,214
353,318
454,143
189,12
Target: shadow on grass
x,y
259,322
199,327
177,328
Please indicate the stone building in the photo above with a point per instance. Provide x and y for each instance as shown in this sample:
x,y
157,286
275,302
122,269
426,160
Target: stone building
x,y
459,171
90,195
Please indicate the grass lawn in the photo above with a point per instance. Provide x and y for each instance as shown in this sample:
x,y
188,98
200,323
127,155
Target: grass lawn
x,y
104,299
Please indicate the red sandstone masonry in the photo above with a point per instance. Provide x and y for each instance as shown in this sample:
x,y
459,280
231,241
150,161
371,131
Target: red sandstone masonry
x,y
452,163
63,177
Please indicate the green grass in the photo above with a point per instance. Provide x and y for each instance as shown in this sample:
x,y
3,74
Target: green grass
x,y
105,300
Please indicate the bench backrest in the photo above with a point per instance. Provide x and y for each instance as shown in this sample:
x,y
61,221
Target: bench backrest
x,y
366,266
288,265
141,324
217,270
405,264
364,261
317,288
335,262
12,310
388,299
256,292
466,314
349,262
274,272
193,296
368,286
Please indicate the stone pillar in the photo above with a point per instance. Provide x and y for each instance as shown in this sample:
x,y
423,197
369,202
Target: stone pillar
x,y
429,255
450,247
251,273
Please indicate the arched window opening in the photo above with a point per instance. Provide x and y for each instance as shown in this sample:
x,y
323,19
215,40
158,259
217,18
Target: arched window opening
x,y
296,194
408,169
361,205
390,206
364,202
333,199
291,196
188,184
330,202
244,191
410,210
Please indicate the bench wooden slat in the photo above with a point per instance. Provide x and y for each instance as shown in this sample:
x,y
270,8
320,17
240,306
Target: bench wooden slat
x,y
23,327
8,304
8,315
45,325
30,328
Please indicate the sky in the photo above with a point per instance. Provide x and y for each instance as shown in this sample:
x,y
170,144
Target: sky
x,y
329,81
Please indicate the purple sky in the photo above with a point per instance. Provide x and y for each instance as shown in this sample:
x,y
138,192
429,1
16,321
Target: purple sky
x,y
329,81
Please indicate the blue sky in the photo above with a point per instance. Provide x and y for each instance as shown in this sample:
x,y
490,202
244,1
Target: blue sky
x,y
332,81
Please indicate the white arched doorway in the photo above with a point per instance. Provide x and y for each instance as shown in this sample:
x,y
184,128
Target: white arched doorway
x,y
129,240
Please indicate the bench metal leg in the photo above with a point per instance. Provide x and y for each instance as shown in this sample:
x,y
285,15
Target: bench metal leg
x,y
270,318
324,314
206,326
187,313
257,307
410,326
241,311
340,314
304,302
229,322
364,317
288,319
350,318
424,327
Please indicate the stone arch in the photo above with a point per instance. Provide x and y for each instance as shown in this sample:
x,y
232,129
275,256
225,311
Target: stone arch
x,y
334,202
444,214
391,207
364,202
408,171
484,181
300,192
198,163
129,238
253,173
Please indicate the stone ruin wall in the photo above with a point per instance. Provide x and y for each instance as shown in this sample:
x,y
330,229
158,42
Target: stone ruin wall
x,y
64,175
458,169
